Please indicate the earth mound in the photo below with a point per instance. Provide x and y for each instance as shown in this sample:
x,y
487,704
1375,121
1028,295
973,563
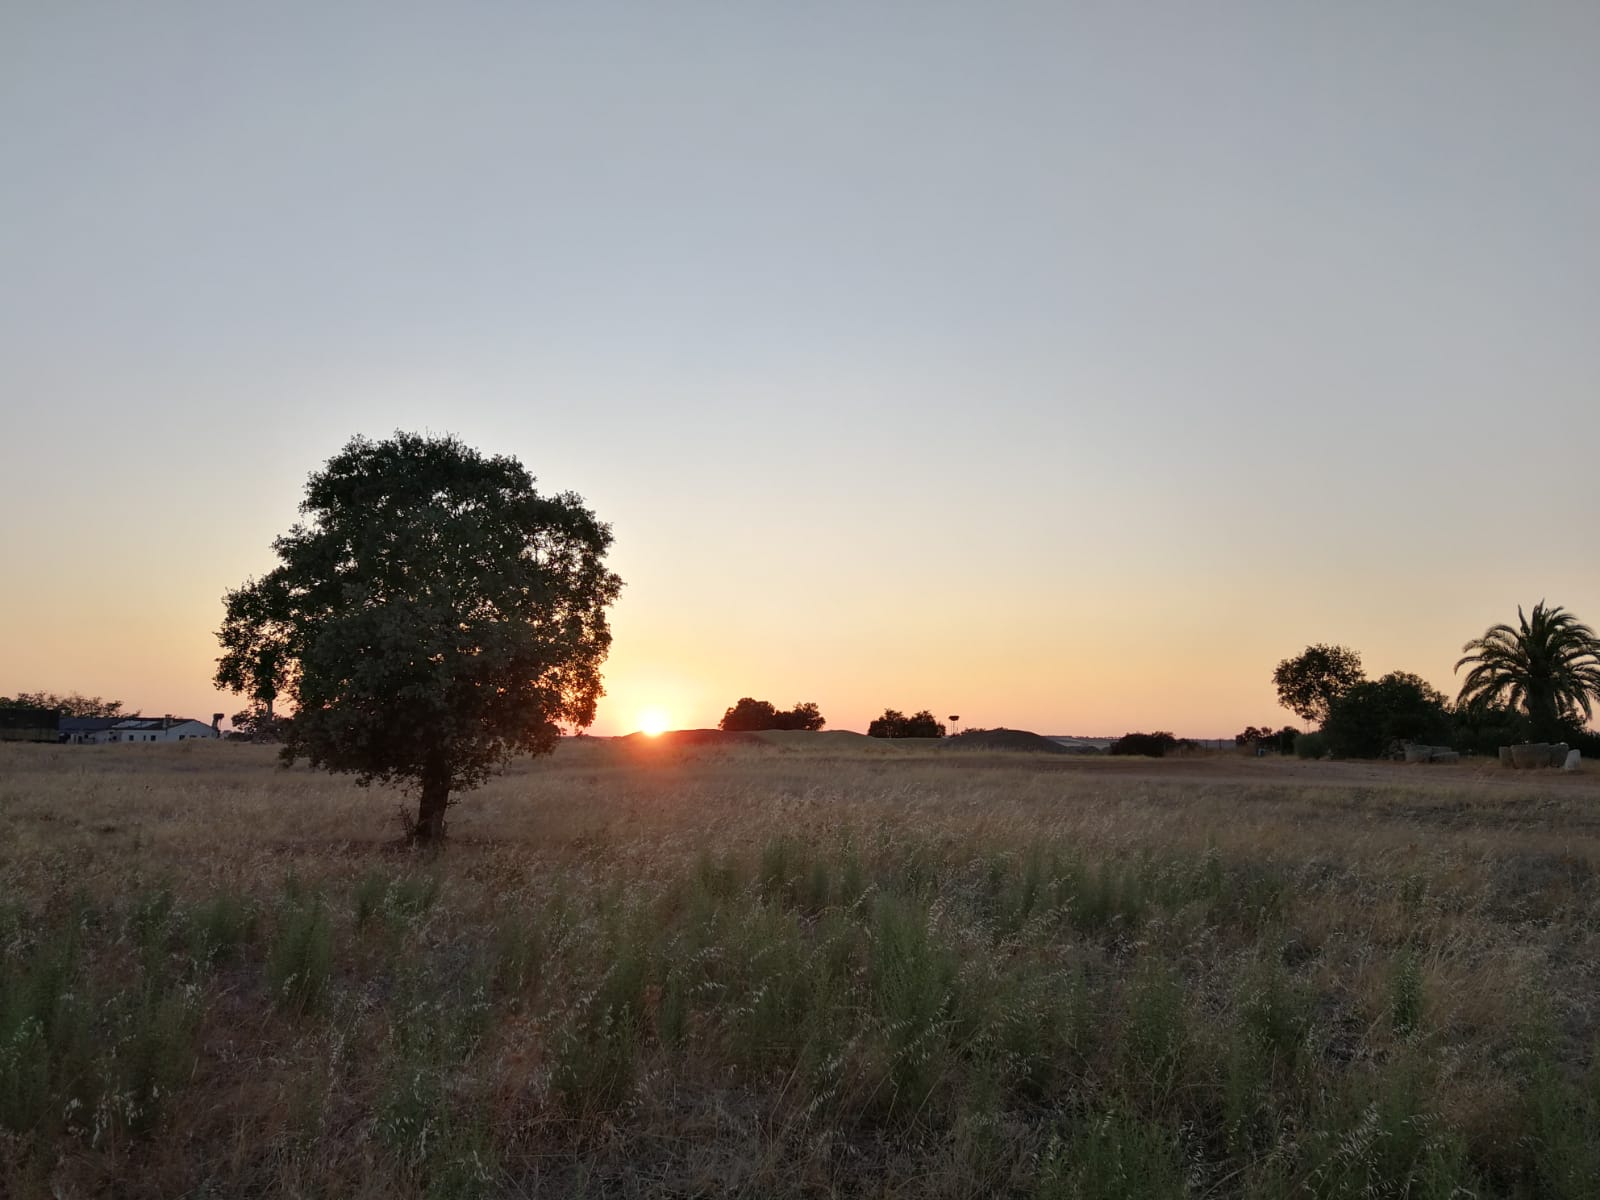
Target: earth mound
x,y
1005,739
694,737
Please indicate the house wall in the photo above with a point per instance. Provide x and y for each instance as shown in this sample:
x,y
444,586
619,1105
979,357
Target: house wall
x,y
179,731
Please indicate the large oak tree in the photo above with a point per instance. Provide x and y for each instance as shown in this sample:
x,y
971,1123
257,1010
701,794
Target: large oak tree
x,y
431,616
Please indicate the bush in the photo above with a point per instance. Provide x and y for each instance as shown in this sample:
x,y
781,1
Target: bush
x,y
1150,745
1311,745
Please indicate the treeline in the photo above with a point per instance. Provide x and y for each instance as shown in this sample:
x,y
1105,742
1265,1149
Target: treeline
x,y
1533,681
894,724
750,715
70,705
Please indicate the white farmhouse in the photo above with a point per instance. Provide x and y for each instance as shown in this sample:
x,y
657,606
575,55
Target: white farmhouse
x,y
100,731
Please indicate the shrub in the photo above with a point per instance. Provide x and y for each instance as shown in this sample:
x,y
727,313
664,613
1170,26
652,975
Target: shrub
x,y
1311,745
1150,745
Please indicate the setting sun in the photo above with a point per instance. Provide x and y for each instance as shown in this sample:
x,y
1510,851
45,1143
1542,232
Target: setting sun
x,y
653,721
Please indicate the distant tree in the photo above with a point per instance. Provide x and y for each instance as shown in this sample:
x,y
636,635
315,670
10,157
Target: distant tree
x,y
72,705
1373,715
1309,683
895,724
1281,740
259,724
433,616
750,715
1548,667
804,716
1150,745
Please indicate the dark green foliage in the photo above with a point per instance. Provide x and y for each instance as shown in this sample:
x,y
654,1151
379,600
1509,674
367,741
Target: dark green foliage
x,y
220,927
300,958
1547,666
1149,745
1309,683
433,616
1405,992
751,715
1112,1156
1484,728
894,724
1311,745
1372,716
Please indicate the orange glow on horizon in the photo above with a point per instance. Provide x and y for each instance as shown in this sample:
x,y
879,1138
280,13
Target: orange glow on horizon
x,y
653,722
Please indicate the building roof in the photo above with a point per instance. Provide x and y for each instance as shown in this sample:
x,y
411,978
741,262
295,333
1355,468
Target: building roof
x,y
87,724
155,724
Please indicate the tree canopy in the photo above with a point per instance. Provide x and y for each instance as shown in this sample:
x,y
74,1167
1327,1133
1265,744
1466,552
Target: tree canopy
x,y
432,615
72,705
1265,736
1310,682
1547,666
893,724
750,715
1371,716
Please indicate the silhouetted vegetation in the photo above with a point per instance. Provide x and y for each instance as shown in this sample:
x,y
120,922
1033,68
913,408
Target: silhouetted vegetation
x,y
1370,717
1547,666
1264,736
1149,745
1309,683
894,724
752,716
433,616
258,724
1311,745
71,705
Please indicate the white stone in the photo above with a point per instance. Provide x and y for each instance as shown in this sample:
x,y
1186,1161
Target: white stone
x,y
1574,760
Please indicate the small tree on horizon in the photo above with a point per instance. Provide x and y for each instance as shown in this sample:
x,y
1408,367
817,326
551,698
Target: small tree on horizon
x,y
432,616
895,724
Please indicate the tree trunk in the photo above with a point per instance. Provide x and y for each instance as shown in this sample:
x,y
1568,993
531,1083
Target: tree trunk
x,y
429,829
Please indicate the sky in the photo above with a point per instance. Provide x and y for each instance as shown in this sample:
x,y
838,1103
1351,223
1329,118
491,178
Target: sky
x,y
1063,365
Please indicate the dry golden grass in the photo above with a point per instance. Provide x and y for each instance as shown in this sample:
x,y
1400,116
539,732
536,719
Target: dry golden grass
x,y
809,967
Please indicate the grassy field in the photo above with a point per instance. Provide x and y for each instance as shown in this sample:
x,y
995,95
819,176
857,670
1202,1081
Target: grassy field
x,y
804,968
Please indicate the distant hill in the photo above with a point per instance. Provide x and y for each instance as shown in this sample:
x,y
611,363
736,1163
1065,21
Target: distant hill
x,y
1010,739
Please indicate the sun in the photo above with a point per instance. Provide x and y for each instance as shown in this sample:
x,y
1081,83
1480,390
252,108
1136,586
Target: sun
x,y
653,722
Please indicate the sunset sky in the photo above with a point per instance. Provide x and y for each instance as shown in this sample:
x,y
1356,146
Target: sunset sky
x,y
1059,365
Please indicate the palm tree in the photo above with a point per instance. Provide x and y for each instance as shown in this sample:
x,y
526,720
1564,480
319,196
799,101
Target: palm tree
x,y
1549,666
